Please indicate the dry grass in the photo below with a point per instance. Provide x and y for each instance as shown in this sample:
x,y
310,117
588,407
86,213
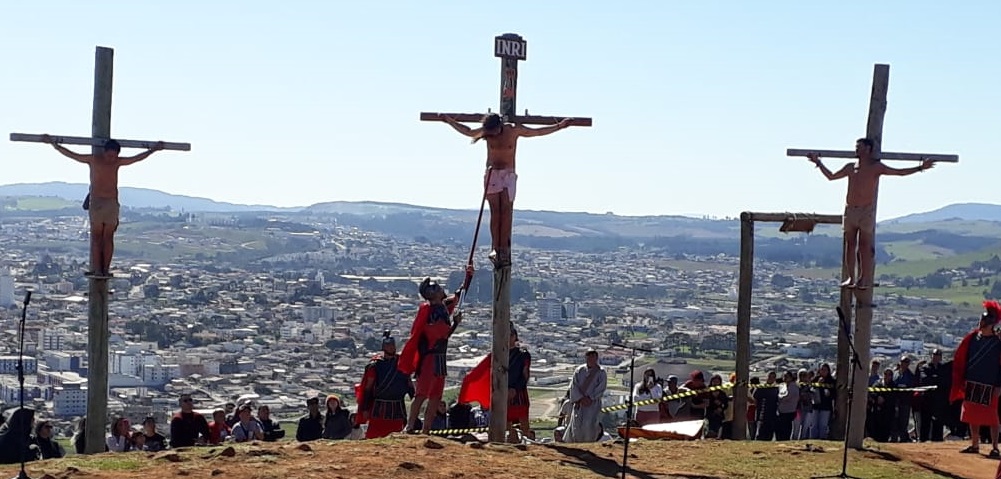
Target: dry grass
x,y
420,457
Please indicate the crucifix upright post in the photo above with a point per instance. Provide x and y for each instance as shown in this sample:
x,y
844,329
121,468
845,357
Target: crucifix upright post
x,y
510,48
97,317
863,296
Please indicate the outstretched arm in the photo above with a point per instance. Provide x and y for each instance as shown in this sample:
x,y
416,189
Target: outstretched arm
x,y
889,171
66,151
546,130
843,172
141,156
459,127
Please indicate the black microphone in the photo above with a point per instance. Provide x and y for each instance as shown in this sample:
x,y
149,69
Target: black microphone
x,y
27,298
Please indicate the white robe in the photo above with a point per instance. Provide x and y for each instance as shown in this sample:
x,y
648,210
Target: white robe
x,y
585,422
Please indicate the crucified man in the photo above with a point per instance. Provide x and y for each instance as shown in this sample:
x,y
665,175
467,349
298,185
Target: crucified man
x,y
102,201
860,207
501,179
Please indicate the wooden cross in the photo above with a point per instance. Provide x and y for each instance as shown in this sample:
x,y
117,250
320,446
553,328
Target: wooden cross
x,y
510,48
863,297
97,331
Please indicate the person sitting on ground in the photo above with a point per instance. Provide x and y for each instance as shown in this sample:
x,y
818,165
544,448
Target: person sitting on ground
x,y
272,431
138,440
120,439
187,427
79,439
247,428
219,430
153,441
336,420
310,427
48,447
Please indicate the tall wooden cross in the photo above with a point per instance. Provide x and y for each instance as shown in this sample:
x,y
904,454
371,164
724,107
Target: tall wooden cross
x,y
97,318
511,49
863,297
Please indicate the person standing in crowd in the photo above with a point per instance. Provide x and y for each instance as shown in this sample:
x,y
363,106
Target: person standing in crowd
x,y
587,387
825,393
716,406
766,397
976,381
645,390
674,409
788,403
903,378
381,393
935,403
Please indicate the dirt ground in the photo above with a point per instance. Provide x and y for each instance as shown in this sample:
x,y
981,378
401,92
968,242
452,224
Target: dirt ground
x,y
419,457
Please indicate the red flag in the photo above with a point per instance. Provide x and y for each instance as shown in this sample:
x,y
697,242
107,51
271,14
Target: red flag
x,y
476,385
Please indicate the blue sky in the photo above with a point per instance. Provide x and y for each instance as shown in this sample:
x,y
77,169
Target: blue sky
x,y
694,103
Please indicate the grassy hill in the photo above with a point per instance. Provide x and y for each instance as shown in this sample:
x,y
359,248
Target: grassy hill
x,y
419,457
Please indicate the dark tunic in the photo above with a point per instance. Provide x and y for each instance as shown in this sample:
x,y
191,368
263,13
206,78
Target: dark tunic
x,y
389,389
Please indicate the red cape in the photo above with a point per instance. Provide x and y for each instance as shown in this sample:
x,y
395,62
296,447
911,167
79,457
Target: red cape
x,y
361,415
409,356
476,385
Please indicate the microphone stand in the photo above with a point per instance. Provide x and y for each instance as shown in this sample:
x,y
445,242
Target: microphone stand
x,y
629,408
856,364
20,379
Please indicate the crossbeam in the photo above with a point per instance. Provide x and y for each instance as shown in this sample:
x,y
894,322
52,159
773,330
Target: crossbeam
x,y
885,155
89,141
783,217
517,119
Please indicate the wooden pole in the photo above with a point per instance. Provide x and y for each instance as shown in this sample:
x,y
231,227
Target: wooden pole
x,y
97,320
863,297
743,326
500,361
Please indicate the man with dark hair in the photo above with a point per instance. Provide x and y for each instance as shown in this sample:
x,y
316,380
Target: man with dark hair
x,y
187,427
381,392
934,403
860,210
501,179
102,201
976,378
310,427
587,388
424,352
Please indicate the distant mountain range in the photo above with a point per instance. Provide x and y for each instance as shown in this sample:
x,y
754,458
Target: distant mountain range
x,y
539,223
958,211
134,197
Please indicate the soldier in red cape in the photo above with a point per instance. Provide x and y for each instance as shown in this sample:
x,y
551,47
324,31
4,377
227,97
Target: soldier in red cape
x,y
424,352
477,383
976,378
380,394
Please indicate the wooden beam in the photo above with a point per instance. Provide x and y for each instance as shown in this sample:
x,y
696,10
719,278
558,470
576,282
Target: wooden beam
x,y
783,217
518,119
746,278
799,152
500,354
98,142
98,334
